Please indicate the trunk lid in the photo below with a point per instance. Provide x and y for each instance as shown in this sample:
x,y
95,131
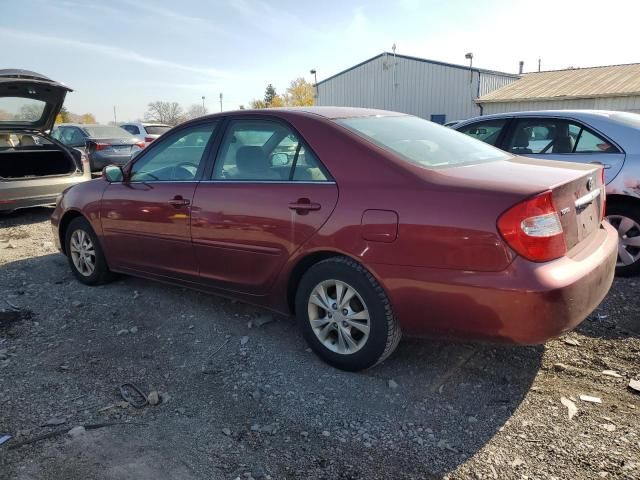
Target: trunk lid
x,y
577,189
29,100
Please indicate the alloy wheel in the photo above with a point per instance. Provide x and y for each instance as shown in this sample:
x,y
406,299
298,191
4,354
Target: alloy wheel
x,y
83,253
629,239
339,317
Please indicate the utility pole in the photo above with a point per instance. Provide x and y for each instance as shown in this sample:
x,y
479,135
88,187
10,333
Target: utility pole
x,y
539,63
203,103
115,118
220,101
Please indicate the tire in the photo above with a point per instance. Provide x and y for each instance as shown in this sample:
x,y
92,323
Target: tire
x,y
369,306
100,273
621,216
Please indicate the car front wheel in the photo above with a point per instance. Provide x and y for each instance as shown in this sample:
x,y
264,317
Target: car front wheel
x,y
84,253
345,315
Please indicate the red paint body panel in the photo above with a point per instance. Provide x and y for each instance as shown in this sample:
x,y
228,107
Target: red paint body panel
x,y
244,233
428,236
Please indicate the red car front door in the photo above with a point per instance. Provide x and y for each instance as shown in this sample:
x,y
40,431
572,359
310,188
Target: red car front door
x,y
267,196
146,219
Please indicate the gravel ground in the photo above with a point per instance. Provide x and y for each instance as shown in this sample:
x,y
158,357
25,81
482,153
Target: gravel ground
x,y
240,399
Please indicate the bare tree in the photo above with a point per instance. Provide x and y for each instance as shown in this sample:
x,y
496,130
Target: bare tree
x,y
195,111
170,113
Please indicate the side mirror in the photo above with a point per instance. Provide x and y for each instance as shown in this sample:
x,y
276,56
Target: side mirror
x,y
113,173
279,160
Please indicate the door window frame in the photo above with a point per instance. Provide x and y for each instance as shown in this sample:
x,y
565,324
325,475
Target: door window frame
x,y
504,143
229,119
177,131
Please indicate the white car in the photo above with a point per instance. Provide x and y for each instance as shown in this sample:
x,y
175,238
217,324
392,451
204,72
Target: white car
x,y
148,131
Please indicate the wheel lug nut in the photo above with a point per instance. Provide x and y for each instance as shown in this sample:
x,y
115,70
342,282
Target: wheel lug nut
x,y
330,315
345,311
345,324
334,306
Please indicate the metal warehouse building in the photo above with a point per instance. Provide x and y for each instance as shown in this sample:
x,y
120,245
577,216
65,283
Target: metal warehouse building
x,y
434,90
615,87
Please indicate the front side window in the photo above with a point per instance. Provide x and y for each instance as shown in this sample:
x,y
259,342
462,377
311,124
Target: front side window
x,y
263,150
176,158
421,142
488,132
555,136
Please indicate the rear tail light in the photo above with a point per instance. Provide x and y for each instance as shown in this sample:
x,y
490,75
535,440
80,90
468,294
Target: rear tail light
x,y
141,144
533,229
102,146
149,139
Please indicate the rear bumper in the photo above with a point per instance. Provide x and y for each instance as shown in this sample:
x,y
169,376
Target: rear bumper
x,y
527,303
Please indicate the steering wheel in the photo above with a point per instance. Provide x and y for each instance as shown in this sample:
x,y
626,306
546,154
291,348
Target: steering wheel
x,y
187,167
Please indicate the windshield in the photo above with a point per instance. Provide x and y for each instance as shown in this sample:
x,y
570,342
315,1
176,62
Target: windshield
x,y
19,109
422,142
156,129
106,131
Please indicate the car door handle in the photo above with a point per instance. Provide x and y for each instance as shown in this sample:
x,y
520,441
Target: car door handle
x,y
304,205
178,201
606,166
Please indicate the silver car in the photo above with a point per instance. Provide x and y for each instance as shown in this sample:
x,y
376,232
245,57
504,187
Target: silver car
x,y
34,168
586,136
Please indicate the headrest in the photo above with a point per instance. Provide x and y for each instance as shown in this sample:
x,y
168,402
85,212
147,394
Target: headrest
x,y
27,141
521,139
251,159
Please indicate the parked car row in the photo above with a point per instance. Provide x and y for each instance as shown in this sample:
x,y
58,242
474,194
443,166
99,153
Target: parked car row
x,y
364,224
610,139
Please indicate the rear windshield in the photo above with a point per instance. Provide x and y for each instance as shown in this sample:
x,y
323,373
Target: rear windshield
x,y
422,142
19,109
106,131
156,129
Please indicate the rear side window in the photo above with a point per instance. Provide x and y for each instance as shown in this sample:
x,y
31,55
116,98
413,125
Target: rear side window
x,y
422,142
132,129
555,136
156,129
263,150
488,132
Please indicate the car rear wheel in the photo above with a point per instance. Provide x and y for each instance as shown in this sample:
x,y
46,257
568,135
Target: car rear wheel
x,y
84,253
345,315
626,219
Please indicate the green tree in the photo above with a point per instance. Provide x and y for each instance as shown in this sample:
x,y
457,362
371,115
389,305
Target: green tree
x,y
269,95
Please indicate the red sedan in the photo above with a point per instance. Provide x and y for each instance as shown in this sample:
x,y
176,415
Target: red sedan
x,y
364,224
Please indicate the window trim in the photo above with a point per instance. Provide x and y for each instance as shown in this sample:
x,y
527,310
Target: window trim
x,y
216,123
229,119
515,119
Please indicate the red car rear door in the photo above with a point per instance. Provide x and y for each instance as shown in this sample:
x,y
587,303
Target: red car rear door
x,y
146,219
267,195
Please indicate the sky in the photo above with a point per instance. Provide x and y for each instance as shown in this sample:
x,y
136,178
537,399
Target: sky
x,y
127,53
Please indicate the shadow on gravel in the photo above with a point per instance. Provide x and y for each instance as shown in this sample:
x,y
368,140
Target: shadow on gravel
x,y
618,317
240,396
25,216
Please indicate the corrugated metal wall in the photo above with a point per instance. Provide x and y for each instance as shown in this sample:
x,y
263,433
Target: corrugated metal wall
x,y
410,86
627,104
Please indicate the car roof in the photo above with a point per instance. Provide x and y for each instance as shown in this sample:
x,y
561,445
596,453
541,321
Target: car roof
x,y
585,114
332,113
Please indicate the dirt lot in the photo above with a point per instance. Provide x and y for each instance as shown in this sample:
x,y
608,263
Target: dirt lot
x,y
243,400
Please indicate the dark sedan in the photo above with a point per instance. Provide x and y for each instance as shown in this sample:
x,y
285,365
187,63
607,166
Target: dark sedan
x,y
103,144
364,224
